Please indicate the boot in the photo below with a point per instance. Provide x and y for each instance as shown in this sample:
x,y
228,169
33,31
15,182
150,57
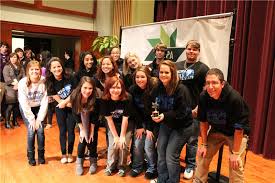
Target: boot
x,y
41,157
79,166
31,158
7,124
93,165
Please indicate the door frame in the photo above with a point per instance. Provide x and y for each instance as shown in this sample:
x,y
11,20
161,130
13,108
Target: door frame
x,y
86,37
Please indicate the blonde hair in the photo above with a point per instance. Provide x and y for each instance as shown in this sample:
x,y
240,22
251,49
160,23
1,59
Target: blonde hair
x,y
125,69
31,64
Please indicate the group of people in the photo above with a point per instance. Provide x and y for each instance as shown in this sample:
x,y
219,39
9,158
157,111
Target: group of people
x,y
159,108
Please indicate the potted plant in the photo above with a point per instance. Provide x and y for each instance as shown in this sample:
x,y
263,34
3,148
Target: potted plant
x,y
104,43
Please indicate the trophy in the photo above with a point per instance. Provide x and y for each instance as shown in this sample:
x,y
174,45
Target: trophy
x,y
155,106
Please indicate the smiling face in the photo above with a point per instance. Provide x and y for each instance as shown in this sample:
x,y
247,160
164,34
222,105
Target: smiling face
x,y
106,65
165,74
115,54
115,91
192,53
56,69
88,61
141,79
132,62
34,73
86,90
213,86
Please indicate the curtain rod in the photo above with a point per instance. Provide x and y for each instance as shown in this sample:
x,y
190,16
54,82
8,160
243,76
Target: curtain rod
x,y
222,15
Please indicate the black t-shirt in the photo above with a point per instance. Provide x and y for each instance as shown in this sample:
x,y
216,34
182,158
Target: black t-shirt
x,y
226,114
63,88
116,109
192,76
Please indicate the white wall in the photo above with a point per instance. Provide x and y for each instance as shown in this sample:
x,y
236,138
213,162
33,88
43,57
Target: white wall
x,y
27,16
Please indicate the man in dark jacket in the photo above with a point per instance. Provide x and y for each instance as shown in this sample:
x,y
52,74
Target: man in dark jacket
x,y
224,109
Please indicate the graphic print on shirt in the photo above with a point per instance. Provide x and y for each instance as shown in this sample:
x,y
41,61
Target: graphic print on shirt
x,y
216,117
35,96
165,102
117,113
65,92
186,74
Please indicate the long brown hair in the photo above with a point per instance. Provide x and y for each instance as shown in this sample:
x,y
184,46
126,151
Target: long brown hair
x,y
151,81
29,65
101,74
76,96
108,85
171,88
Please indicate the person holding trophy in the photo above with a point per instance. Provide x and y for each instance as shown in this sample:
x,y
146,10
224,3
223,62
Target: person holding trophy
x,y
173,112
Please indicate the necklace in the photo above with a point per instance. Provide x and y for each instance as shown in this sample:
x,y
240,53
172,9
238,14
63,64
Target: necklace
x,y
188,67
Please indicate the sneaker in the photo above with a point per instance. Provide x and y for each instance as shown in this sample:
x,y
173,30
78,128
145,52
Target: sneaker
x,y
48,126
154,180
64,159
133,173
70,158
108,172
150,175
121,173
188,173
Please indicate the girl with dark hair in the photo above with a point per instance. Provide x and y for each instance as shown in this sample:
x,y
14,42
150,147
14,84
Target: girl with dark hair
x,y
88,65
33,100
115,54
116,107
146,130
85,112
12,73
175,118
60,87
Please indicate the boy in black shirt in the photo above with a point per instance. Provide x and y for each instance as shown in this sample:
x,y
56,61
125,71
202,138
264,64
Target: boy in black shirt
x,y
225,110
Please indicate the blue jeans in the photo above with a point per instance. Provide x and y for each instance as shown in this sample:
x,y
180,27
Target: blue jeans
x,y
169,146
141,145
31,133
192,146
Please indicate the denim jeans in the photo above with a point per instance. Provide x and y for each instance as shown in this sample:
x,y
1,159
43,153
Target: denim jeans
x,y
214,141
117,157
31,133
66,125
92,146
139,147
169,146
192,146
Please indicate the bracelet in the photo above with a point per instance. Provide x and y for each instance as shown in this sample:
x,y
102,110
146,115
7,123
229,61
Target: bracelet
x,y
235,153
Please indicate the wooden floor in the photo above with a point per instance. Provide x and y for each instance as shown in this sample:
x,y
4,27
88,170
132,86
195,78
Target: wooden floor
x,y
15,169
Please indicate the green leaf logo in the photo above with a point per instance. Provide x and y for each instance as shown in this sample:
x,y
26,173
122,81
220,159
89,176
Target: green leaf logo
x,y
173,52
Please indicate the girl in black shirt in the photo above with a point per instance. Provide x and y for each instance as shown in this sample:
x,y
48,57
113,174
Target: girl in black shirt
x,y
116,108
60,87
85,113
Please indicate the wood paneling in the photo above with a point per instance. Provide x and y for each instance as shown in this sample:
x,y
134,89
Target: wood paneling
x,y
38,5
14,167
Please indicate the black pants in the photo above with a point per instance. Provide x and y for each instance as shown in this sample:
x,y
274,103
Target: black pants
x,y
66,125
92,146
